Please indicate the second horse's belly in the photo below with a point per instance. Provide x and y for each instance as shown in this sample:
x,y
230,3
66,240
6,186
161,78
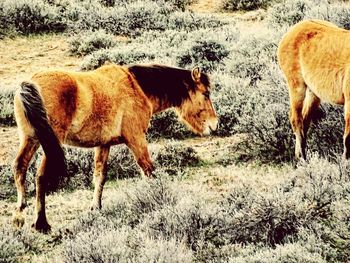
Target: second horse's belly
x,y
326,85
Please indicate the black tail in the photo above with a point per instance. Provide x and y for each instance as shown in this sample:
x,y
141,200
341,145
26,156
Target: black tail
x,y
36,115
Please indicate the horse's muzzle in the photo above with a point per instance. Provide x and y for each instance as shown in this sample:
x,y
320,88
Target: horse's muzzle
x,y
211,126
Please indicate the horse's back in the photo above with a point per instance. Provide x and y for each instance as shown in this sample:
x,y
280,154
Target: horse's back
x,y
316,53
304,33
84,108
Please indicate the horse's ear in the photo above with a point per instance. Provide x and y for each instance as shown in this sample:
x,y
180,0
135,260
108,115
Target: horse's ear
x,y
196,74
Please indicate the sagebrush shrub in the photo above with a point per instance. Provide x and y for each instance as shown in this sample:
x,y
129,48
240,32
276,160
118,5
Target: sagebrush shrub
x,y
119,55
288,13
6,110
145,198
11,247
134,17
123,245
88,42
247,5
122,164
304,218
190,22
177,155
293,253
31,16
205,53
167,125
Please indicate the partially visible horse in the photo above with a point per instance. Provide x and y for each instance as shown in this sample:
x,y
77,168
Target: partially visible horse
x,y
100,108
314,56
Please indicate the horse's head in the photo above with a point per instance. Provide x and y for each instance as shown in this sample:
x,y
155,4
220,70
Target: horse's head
x,y
197,111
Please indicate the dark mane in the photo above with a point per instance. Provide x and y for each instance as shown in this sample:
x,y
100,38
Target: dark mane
x,y
169,84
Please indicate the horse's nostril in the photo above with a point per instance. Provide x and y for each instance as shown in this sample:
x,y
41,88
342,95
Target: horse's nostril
x,y
213,124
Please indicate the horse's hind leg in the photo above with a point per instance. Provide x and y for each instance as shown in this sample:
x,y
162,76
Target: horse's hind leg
x,y
41,222
100,172
311,103
28,147
297,90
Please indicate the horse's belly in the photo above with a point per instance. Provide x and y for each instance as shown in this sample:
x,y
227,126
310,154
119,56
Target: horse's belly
x,y
95,131
328,94
326,84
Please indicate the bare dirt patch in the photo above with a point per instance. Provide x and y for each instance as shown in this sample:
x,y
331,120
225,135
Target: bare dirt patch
x,y
205,6
23,56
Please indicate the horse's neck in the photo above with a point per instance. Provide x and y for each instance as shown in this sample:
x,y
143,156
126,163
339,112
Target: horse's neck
x,y
159,105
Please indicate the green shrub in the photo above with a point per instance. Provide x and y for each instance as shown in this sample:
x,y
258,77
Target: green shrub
x,y
288,13
11,247
191,22
88,42
291,12
119,55
308,212
167,125
32,16
336,13
205,53
7,117
177,155
123,245
122,164
246,5
147,197
293,253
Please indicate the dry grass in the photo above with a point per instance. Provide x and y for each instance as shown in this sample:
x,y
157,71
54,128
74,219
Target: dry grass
x,y
204,6
208,183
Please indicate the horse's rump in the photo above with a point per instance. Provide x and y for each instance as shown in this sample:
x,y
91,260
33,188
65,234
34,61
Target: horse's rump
x,y
316,53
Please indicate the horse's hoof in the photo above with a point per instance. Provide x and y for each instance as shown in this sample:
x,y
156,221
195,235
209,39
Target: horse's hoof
x,y
18,220
95,207
41,226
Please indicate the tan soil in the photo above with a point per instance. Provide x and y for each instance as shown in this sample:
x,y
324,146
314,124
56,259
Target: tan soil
x,y
22,56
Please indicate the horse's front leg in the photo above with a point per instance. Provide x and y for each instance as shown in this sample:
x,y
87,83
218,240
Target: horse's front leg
x,y
100,172
41,183
138,146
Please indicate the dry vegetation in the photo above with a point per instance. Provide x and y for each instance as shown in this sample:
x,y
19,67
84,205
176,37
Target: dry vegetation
x,y
234,197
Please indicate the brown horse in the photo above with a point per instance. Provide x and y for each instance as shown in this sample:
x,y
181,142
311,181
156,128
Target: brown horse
x,y
100,108
314,56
